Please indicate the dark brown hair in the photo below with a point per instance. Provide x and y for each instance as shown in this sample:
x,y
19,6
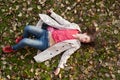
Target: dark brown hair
x,y
92,32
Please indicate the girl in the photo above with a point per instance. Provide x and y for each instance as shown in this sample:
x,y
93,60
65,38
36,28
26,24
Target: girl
x,y
53,35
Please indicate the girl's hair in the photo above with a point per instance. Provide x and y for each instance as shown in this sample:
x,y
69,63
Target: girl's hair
x,y
92,32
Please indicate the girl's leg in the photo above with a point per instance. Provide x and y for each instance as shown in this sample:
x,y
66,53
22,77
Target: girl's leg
x,y
38,44
41,43
41,35
35,31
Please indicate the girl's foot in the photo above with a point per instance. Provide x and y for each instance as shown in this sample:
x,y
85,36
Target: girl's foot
x,y
18,39
8,49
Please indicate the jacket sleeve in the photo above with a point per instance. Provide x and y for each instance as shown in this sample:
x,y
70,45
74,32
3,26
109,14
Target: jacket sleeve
x,y
39,24
59,19
64,22
65,56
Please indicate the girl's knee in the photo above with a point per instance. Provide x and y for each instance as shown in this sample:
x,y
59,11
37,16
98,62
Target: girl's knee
x,y
27,27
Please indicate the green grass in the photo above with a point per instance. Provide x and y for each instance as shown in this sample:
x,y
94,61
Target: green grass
x,y
100,62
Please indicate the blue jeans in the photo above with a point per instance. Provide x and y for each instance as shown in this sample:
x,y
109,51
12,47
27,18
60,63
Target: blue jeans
x,y
40,42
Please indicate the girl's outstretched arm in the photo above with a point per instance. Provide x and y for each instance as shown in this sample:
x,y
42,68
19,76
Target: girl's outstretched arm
x,y
56,72
58,18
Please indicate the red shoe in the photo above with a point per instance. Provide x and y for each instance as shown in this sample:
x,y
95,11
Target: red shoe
x,y
18,39
8,49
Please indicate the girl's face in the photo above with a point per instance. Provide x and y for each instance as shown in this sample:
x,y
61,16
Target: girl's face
x,y
83,38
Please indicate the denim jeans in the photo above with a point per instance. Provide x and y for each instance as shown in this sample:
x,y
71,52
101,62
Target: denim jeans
x,y
40,42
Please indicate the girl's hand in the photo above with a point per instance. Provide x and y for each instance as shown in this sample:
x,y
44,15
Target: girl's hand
x,y
49,12
56,72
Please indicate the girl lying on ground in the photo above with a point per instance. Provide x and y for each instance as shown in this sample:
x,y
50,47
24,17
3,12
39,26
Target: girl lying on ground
x,y
53,35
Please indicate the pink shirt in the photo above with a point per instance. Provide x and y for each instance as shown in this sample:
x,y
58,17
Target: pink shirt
x,y
61,35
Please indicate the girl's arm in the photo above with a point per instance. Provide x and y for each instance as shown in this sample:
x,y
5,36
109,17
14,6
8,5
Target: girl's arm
x,y
58,18
62,21
64,59
39,24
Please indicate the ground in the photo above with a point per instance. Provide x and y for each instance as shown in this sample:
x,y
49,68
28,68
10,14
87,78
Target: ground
x,y
98,62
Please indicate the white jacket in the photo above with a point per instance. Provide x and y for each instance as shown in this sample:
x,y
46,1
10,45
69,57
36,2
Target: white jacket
x,y
67,46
